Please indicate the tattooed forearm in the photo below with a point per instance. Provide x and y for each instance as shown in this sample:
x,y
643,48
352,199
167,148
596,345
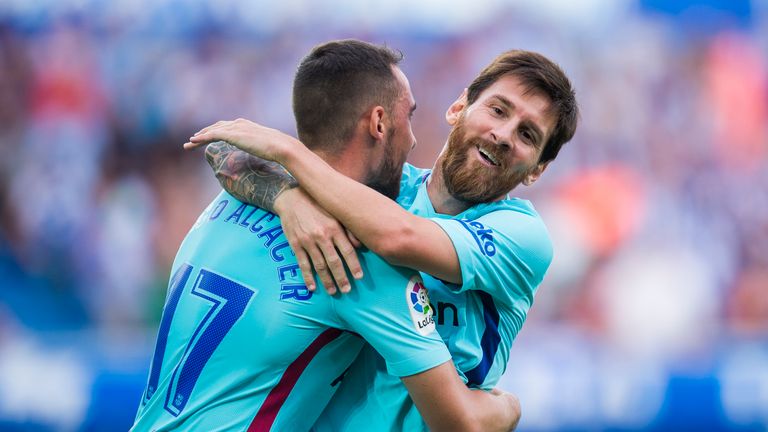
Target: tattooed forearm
x,y
246,177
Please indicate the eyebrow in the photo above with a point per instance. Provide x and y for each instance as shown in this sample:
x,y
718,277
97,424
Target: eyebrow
x,y
526,123
503,100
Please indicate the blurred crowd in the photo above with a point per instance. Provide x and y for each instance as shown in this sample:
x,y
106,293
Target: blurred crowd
x,y
658,208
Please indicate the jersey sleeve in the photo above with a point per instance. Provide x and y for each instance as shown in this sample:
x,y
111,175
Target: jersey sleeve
x,y
504,253
390,309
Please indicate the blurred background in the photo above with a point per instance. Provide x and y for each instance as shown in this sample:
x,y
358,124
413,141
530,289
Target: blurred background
x,y
654,315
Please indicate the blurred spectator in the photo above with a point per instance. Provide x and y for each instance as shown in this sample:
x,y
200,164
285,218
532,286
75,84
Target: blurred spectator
x,y
658,209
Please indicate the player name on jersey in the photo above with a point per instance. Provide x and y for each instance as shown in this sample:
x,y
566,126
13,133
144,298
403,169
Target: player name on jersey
x,y
255,220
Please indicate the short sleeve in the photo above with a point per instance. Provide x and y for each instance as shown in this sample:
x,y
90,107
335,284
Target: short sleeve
x,y
504,253
390,309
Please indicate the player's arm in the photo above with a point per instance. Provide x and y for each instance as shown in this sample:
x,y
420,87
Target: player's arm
x,y
383,226
249,179
312,233
402,330
446,404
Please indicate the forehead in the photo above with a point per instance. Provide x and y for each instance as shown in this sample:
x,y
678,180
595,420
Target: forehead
x,y
405,86
532,106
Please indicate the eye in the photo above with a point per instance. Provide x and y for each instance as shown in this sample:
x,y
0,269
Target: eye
x,y
496,110
528,136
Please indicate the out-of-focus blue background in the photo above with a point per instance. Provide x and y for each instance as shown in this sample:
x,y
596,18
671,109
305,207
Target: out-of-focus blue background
x,y
654,315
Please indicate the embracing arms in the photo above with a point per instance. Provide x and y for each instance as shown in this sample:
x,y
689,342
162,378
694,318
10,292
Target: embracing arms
x,y
248,178
443,400
312,233
398,236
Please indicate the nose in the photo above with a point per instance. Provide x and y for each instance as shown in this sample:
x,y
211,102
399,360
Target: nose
x,y
500,140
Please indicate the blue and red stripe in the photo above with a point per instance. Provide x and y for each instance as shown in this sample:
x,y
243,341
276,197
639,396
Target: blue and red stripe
x,y
265,418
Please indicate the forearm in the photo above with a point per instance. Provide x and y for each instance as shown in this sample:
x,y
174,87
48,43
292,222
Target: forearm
x,y
317,240
446,404
247,177
335,192
382,225
398,236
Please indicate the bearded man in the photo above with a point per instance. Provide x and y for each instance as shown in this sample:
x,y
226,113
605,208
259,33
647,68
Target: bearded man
x,y
482,253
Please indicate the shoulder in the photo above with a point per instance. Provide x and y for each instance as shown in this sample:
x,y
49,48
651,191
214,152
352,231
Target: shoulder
x,y
410,181
414,174
520,230
511,226
509,216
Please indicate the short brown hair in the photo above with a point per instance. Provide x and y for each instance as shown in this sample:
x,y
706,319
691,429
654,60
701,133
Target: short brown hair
x,y
538,74
336,83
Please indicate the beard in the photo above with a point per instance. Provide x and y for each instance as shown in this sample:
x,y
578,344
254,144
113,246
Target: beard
x,y
386,178
470,181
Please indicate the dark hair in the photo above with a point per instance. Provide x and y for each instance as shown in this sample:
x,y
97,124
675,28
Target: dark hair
x,y
335,84
538,74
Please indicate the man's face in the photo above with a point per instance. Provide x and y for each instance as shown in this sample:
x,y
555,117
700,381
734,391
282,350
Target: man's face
x,y
398,143
496,142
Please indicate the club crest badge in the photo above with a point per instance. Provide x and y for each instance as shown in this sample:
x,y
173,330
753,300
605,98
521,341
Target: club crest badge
x,y
421,309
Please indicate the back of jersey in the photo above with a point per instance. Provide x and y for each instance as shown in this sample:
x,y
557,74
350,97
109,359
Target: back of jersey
x,y
238,329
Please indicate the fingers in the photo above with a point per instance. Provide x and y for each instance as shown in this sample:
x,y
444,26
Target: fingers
x,y
207,128
191,145
349,255
305,266
207,135
336,266
353,240
217,124
204,138
321,268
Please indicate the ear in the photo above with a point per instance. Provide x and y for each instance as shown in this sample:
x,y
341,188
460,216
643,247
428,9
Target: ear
x,y
535,173
376,126
452,115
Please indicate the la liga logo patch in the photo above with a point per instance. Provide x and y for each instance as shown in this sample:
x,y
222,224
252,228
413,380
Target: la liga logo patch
x,y
422,312
419,298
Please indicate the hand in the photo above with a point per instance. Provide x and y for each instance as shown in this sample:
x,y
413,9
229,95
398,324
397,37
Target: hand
x,y
246,135
514,405
315,235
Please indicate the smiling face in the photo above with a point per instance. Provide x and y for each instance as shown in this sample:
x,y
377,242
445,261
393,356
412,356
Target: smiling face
x,y
496,142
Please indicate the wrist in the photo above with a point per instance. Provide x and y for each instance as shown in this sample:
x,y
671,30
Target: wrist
x,y
286,154
296,157
286,199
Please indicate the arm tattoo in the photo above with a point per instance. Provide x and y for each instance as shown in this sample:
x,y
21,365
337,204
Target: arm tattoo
x,y
248,178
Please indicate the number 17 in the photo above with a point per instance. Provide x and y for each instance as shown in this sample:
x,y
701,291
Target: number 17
x,y
229,300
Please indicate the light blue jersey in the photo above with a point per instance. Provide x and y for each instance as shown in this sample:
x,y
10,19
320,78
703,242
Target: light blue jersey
x,y
243,345
504,250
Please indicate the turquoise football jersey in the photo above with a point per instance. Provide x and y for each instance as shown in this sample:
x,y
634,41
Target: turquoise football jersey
x,y
243,345
504,250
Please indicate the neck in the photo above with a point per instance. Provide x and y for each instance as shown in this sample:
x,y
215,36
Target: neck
x,y
442,200
346,161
